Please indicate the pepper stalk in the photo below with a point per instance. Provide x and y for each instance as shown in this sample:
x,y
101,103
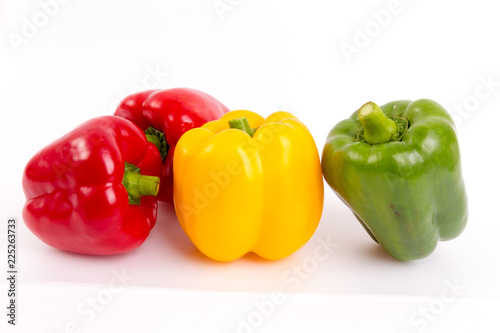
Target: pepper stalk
x,y
378,128
138,185
242,124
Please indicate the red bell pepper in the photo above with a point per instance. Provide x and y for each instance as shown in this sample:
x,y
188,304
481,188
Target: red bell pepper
x,y
168,114
84,190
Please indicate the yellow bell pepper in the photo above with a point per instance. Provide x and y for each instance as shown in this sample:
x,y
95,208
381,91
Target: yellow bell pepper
x,y
236,194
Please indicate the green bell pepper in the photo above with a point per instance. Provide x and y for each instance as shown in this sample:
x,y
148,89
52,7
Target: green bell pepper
x,y
397,167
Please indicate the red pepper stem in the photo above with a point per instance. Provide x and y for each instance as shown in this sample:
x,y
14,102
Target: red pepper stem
x,y
138,185
241,124
157,138
154,140
378,128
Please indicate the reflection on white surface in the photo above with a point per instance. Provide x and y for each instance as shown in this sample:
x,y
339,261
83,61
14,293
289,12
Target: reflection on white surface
x,y
355,266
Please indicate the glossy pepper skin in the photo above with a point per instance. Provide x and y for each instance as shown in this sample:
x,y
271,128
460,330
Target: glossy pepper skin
x,y
408,192
236,194
172,112
75,198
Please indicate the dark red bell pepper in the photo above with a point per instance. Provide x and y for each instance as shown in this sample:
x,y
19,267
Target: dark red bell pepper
x,y
168,114
93,190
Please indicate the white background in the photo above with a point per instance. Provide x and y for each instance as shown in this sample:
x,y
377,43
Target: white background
x,y
63,63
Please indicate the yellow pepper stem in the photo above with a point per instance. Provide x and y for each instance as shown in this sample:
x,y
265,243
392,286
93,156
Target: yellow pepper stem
x,y
241,124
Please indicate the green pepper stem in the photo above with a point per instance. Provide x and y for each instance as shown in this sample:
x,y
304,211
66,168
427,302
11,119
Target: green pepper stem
x,y
377,127
138,185
241,124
